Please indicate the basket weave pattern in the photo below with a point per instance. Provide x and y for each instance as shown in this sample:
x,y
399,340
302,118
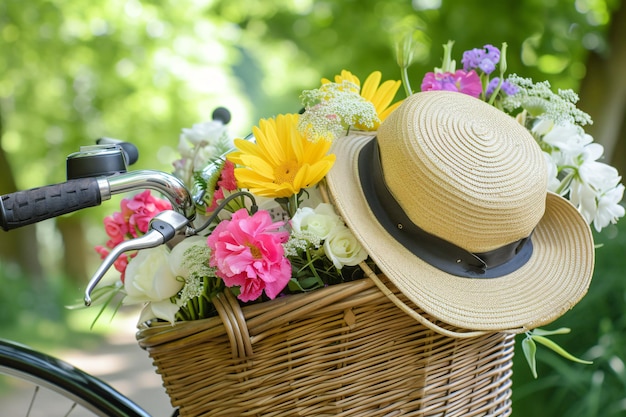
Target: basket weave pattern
x,y
345,350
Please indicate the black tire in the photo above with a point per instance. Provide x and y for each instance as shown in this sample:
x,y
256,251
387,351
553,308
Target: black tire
x,y
52,376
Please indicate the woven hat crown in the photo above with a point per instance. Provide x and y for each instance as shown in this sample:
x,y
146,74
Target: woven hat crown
x,y
463,170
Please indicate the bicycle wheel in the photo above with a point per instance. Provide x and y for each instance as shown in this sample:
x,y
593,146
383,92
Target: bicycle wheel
x,y
59,388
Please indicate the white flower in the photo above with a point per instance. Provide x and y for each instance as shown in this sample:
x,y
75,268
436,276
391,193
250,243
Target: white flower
x,y
583,196
150,278
204,155
597,191
320,222
164,310
568,139
203,143
609,209
541,126
332,108
343,248
203,134
599,175
539,100
177,256
198,146
601,208
573,169
553,181
190,259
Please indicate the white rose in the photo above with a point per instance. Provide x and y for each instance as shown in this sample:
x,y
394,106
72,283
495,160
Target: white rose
x,y
164,310
320,222
150,278
342,248
299,218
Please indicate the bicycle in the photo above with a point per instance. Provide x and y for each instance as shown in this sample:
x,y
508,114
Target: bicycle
x,y
95,174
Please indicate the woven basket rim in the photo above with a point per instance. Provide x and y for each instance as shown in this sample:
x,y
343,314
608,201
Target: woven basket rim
x,y
338,297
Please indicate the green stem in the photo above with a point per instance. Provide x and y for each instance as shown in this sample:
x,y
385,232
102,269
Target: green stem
x,y
565,182
448,64
405,81
191,309
292,205
503,66
496,91
312,268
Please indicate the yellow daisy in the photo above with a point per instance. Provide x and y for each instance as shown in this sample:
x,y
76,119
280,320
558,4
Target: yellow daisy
x,y
380,95
282,161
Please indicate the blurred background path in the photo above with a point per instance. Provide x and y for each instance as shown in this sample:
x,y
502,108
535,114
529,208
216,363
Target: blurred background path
x,y
119,361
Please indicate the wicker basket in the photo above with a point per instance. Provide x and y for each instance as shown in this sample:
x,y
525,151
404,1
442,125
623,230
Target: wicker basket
x,y
345,350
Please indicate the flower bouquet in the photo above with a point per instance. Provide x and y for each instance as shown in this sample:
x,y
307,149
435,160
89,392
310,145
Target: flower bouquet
x,y
282,308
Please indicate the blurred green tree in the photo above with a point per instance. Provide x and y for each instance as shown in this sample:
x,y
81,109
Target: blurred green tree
x,y
142,70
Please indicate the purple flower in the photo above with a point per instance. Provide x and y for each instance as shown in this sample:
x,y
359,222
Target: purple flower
x,y
508,88
461,81
484,59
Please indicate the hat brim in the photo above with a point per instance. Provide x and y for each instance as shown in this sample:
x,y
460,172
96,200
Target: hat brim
x,y
553,280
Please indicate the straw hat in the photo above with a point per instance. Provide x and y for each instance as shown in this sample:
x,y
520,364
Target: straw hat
x,y
450,201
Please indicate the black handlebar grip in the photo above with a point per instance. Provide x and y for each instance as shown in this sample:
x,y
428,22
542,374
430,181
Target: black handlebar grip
x,y
31,206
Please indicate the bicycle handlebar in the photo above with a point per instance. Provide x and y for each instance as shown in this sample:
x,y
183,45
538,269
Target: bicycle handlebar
x,y
31,206
37,204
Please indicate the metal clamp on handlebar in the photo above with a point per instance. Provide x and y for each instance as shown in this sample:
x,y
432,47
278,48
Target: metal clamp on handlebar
x,y
163,228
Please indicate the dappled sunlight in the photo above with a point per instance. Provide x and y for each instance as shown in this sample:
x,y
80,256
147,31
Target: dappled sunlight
x,y
552,64
101,364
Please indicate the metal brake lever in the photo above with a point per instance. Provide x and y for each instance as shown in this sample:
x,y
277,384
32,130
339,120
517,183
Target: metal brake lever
x,y
163,228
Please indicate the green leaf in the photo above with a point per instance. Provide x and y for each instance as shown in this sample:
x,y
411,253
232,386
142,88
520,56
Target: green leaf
x,y
294,285
541,332
558,349
100,295
109,296
530,349
311,283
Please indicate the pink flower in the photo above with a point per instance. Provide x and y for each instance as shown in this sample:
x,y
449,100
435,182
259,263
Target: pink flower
x,y
226,181
116,228
217,196
461,81
133,219
248,252
141,209
227,177
121,263
102,251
